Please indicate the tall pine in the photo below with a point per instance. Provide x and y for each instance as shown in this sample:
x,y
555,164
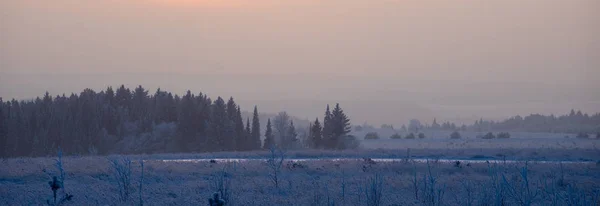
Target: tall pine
x,y
269,137
315,138
340,127
247,135
327,134
221,128
255,136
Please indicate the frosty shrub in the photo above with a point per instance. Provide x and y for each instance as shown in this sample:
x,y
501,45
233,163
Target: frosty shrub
x,y
432,192
421,136
455,135
373,190
522,191
410,136
503,135
58,183
372,135
489,135
122,173
55,184
275,162
222,185
583,135
349,142
396,136
216,200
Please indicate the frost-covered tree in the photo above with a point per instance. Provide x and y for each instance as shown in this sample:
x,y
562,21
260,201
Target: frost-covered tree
x,y
281,124
255,135
269,141
327,134
315,138
340,124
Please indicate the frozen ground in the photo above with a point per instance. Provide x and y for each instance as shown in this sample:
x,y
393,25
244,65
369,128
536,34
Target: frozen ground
x,y
24,181
559,171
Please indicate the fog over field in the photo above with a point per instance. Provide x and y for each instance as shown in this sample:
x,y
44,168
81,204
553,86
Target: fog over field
x,y
387,61
300,102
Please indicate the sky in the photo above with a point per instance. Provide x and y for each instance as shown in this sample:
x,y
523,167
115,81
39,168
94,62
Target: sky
x,y
384,61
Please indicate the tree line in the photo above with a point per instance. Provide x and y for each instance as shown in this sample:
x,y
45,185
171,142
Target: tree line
x,y
125,121
574,122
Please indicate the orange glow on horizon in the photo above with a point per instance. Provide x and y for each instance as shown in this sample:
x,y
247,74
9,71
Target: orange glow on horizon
x,y
203,3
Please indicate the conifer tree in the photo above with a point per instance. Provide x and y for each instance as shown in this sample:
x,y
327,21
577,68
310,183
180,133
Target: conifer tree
x,y
269,137
315,137
235,117
255,136
240,134
340,127
221,127
247,136
327,130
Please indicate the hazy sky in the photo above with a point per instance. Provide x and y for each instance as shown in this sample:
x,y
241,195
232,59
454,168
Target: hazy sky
x,y
385,61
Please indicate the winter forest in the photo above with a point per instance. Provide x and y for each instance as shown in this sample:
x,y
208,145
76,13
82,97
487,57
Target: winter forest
x,y
134,122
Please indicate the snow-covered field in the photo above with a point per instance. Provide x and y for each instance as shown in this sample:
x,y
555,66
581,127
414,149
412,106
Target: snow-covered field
x,y
24,181
560,171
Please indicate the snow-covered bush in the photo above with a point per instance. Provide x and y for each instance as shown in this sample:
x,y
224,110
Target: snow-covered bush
x,y
372,135
396,136
583,135
455,135
373,190
489,135
122,174
503,135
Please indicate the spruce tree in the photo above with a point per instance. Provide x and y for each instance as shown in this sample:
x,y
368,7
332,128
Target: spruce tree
x,y
235,117
221,128
269,138
186,125
247,136
255,137
240,134
327,130
340,127
315,138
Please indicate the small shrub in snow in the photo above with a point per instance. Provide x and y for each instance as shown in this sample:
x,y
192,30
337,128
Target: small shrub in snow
x,y
373,190
410,136
457,164
372,135
56,184
421,136
455,135
396,136
489,135
598,135
222,185
216,200
349,142
275,163
122,172
503,135
583,135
